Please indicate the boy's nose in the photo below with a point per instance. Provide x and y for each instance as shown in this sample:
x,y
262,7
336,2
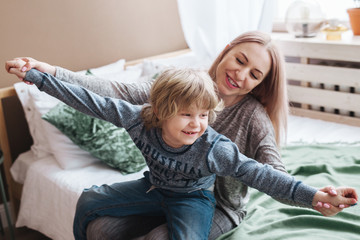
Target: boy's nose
x,y
195,122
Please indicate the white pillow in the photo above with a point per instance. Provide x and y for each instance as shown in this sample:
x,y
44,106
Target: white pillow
x,y
109,71
67,154
150,68
47,138
36,103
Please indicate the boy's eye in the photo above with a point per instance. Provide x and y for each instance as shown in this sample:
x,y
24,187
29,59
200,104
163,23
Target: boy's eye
x,y
186,114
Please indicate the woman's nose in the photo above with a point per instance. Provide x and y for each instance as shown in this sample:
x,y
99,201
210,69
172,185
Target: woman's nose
x,y
240,77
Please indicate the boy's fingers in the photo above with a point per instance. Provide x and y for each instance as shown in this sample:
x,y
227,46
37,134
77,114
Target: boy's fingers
x,y
13,64
18,73
27,82
348,201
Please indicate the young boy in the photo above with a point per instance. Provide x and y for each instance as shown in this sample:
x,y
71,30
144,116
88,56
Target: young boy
x,y
183,155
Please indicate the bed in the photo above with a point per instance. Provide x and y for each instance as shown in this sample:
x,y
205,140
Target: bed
x,y
322,148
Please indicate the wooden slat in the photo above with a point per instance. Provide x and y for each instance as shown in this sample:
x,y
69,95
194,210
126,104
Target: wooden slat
x,y
323,74
320,97
314,48
352,121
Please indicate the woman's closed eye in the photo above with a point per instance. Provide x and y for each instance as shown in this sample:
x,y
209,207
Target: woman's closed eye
x,y
254,76
239,61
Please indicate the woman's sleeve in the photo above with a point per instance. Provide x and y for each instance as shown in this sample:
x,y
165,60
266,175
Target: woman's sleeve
x,y
116,111
135,93
261,144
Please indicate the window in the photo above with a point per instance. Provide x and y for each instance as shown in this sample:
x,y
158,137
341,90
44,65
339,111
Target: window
x,y
331,9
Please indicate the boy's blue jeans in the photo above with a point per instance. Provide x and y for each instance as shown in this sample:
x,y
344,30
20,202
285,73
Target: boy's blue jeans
x,y
189,215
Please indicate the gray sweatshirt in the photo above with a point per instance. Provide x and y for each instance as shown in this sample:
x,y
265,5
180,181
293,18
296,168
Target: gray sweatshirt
x,y
183,169
245,123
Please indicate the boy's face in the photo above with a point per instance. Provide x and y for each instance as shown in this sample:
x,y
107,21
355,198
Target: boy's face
x,y
185,127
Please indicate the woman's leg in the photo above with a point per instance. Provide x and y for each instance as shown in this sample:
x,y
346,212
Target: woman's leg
x,y
117,200
116,228
221,224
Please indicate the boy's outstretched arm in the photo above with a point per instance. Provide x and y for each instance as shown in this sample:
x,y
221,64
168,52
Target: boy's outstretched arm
x,y
346,196
116,111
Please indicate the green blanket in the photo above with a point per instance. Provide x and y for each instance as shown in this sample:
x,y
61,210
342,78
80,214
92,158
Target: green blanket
x,y
317,166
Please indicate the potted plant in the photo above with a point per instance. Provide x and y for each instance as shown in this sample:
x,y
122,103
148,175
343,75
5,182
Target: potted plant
x,y
354,17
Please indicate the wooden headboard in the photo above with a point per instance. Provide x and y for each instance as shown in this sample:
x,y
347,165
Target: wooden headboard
x,y
15,138
323,77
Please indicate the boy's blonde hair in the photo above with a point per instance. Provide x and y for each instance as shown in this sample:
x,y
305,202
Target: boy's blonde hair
x,y
178,89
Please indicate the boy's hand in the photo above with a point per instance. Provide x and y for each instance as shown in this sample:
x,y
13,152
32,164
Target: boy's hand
x,y
14,67
345,197
327,209
19,67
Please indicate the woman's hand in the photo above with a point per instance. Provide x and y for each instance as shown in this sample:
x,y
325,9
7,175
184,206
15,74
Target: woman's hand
x,y
19,67
327,209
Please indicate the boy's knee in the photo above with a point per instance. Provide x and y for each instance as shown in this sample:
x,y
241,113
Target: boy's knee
x,y
86,199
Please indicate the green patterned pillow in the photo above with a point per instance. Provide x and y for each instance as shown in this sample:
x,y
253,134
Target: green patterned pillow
x,y
102,139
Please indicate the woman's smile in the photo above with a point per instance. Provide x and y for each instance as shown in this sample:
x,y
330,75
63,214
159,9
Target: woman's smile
x,y
231,83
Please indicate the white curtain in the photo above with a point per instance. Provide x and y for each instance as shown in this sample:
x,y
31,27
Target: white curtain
x,y
209,25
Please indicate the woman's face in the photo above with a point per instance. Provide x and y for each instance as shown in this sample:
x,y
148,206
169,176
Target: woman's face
x,y
241,70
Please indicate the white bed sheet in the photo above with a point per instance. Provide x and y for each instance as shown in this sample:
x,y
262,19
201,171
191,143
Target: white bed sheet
x,y
50,194
311,131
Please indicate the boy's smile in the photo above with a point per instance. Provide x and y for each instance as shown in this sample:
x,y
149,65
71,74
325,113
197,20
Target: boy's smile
x,y
185,127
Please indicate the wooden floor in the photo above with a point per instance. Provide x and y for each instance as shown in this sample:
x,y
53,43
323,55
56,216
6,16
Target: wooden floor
x,y
24,234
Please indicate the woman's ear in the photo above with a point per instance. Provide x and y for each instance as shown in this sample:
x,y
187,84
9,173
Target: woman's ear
x,y
155,112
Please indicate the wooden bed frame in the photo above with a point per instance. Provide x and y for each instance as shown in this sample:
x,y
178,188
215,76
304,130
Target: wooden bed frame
x,y
324,77
15,137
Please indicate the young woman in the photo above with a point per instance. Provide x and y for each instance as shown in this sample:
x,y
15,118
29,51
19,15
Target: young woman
x,y
250,77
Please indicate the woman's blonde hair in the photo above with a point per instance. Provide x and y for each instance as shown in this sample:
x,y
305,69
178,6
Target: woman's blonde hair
x,y
272,91
178,89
